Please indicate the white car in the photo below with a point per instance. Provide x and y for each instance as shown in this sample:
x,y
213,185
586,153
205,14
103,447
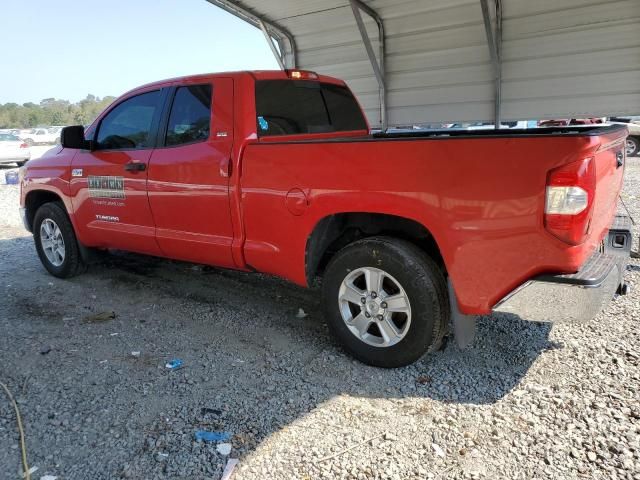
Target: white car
x,y
633,140
13,150
40,136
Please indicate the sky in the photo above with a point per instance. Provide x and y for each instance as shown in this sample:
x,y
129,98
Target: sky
x,y
67,49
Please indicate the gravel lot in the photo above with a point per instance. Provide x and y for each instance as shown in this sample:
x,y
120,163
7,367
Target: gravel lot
x,y
525,401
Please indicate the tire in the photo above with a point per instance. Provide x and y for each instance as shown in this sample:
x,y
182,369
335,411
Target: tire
x,y
632,146
47,217
407,271
21,164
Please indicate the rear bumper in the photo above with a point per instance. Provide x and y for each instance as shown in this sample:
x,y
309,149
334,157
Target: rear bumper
x,y
580,296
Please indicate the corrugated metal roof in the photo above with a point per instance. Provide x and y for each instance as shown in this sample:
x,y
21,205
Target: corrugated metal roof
x,y
568,58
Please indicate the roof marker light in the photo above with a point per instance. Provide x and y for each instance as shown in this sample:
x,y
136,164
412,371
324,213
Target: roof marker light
x,y
301,75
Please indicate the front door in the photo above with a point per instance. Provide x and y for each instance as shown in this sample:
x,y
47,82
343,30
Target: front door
x,y
109,183
188,179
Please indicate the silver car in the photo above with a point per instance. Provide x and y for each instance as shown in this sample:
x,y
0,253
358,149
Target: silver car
x,y
13,150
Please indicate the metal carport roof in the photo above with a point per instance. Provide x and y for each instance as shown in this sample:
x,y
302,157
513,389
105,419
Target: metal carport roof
x,y
428,61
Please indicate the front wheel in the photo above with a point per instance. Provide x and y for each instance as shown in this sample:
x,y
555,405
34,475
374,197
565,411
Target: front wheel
x,y
56,241
386,301
632,146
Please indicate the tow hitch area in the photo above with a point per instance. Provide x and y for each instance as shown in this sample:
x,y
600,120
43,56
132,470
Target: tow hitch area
x,y
623,289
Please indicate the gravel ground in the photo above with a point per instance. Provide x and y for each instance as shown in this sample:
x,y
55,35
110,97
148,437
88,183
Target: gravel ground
x,y
524,401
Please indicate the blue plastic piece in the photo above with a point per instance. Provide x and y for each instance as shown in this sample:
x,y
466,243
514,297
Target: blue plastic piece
x,y
264,125
11,178
174,364
205,436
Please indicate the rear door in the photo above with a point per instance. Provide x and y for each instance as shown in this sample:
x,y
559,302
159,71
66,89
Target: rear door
x,y
189,177
109,183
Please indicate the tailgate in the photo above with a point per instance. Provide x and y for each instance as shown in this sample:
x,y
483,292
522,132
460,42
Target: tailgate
x,y
610,158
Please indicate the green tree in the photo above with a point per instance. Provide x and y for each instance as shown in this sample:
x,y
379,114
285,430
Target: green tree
x,y
52,111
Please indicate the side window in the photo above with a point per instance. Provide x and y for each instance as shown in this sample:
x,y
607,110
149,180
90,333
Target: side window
x,y
128,125
190,118
288,107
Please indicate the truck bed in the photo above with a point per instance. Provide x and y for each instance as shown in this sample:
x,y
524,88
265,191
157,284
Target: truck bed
x,y
483,202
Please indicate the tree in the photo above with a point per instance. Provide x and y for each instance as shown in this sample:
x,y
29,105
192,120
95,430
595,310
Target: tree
x,y
52,111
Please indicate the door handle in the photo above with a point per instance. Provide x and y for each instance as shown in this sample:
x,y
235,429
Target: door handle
x,y
135,167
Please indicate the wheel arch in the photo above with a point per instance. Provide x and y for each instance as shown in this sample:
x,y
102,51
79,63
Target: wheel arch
x,y
335,231
35,199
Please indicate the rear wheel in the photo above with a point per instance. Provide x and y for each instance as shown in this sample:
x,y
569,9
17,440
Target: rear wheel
x,y
56,241
632,146
386,301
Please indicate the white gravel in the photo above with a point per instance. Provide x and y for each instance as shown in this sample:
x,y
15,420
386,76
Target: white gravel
x,y
524,401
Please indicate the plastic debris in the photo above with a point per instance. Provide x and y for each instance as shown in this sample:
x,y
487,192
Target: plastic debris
x,y
224,448
438,449
31,470
11,178
206,436
228,469
301,313
135,354
174,364
100,317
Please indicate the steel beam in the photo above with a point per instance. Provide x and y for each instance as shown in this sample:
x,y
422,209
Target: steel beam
x,y
269,40
494,41
286,57
377,64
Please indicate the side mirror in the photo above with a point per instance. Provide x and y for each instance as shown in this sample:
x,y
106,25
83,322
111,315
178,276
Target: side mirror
x,y
73,137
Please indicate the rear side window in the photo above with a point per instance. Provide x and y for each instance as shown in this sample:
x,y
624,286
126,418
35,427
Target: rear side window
x,y
128,125
190,118
288,107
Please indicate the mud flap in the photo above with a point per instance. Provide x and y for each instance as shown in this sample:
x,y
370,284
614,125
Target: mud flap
x,y
464,326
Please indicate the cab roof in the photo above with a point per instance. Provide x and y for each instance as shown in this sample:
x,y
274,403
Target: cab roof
x,y
203,77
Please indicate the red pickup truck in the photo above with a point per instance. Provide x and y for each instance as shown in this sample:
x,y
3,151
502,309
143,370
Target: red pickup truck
x,y
278,172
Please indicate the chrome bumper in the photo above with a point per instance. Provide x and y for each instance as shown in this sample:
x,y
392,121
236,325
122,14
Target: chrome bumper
x,y
576,297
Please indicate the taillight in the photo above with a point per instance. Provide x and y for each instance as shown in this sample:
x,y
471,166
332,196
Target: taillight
x,y
24,145
569,200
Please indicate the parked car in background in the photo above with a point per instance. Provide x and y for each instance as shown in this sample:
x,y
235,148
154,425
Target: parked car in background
x,y
633,140
628,119
522,124
565,122
55,129
20,132
13,150
41,136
